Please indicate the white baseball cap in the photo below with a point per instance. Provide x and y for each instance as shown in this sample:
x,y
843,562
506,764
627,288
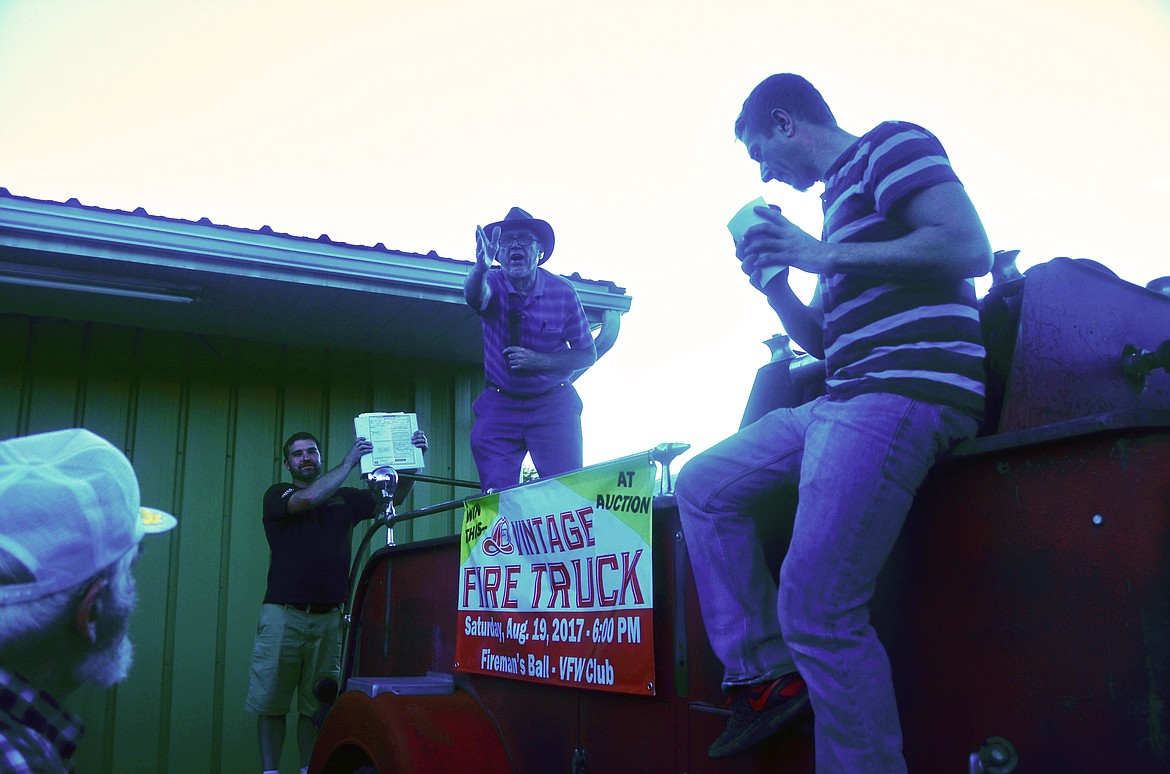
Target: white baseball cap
x,y
69,508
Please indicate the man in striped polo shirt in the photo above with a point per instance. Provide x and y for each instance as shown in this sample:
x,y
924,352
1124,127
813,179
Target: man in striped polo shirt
x,y
895,318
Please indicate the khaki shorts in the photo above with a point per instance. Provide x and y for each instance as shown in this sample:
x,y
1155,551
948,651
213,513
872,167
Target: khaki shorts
x,y
293,650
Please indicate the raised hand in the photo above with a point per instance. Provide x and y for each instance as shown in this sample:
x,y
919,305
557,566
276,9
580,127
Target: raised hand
x,y
360,448
486,248
419,439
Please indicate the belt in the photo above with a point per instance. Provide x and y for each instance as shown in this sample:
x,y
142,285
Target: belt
x,y
312,608
523,396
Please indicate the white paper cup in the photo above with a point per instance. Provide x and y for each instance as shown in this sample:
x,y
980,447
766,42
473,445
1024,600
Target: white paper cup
x,y
745,219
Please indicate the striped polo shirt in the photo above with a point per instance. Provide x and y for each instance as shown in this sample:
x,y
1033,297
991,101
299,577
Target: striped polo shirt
x,y
550,319
920,339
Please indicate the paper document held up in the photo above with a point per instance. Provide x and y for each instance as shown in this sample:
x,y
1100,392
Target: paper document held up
x,y
390,433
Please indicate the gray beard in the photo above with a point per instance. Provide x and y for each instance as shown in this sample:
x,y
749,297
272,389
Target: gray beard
x,y
108,666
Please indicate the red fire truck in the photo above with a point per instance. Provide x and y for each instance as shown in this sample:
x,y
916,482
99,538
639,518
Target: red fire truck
x,y
1026,607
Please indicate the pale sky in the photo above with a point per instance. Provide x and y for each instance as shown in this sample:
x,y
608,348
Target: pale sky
x,y
408,122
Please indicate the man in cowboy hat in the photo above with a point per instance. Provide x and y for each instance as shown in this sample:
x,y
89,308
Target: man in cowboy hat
x,y
70,525
535,335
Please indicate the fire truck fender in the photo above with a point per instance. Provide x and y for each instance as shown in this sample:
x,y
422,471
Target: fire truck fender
x,y
415,734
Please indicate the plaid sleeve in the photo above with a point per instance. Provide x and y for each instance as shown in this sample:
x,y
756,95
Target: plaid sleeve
x,y
23,750
576,323
13,759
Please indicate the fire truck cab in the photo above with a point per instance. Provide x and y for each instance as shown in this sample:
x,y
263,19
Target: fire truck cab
x,y
1025,609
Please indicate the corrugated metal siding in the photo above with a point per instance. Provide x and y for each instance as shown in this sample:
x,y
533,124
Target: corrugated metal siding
x,y
202,419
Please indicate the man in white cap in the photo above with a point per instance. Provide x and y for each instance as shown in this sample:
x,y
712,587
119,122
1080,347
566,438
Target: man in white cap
x,y
535,336
70,525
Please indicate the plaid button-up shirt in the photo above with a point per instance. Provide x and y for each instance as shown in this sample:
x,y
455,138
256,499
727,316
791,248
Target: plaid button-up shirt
x,y
36,733
549,319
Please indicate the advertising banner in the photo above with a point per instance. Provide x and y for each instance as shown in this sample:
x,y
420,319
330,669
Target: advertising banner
x,y
556,580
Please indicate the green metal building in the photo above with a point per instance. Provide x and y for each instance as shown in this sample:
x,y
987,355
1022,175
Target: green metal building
x,y
198,348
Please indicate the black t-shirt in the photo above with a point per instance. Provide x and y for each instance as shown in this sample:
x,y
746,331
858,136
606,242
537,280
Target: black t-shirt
x,y
310,551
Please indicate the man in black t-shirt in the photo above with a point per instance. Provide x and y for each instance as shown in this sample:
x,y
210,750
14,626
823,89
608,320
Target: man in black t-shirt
x,y
308,524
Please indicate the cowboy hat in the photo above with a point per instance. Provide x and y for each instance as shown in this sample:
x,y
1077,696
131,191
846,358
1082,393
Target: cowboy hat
x,y
518,218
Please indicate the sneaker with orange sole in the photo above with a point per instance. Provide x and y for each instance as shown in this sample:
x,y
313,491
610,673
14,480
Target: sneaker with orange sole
x,y
759,711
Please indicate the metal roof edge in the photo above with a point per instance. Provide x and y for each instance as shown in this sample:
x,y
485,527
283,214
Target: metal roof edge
x,y
262,253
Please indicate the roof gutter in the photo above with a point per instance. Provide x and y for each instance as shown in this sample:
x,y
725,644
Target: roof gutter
x,y
140,238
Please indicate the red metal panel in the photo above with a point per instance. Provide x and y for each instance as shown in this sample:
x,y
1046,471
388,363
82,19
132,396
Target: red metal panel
x,y
418,734
545,727
1029,598
416,634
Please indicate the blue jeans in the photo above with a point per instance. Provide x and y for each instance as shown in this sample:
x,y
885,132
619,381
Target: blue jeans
x,y
857,464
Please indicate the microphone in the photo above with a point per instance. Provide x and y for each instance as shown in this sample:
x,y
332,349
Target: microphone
x,y
513,327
